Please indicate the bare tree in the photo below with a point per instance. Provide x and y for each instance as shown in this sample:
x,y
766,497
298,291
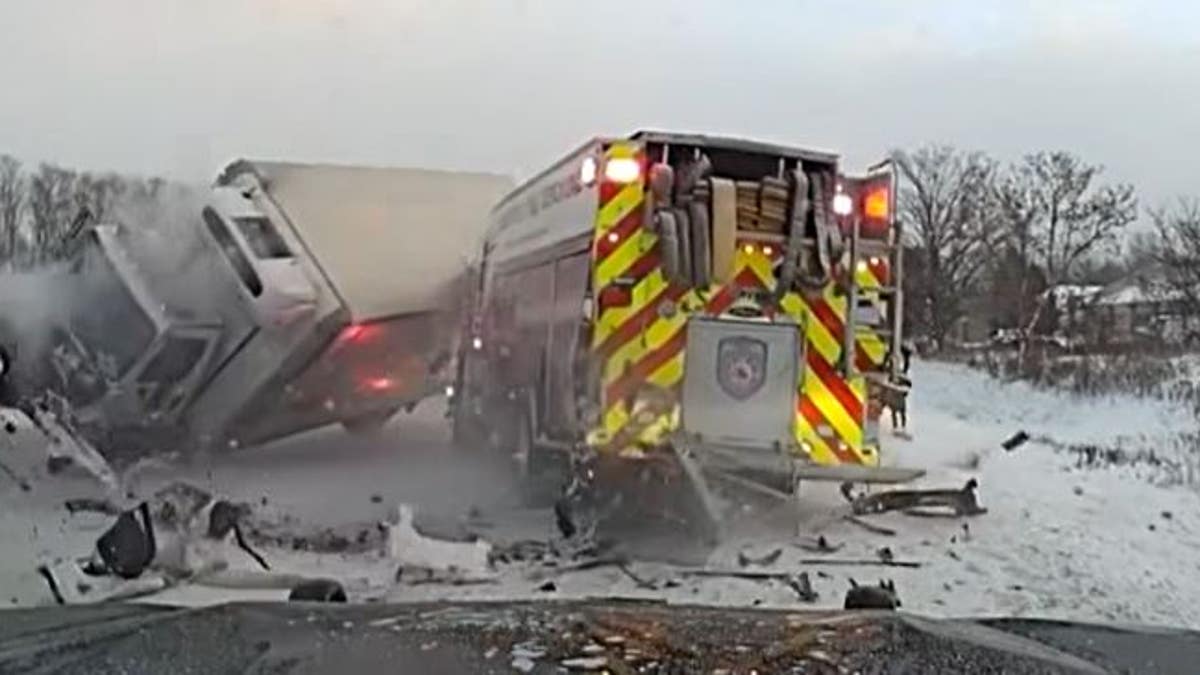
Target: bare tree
x,y
1055,216
12,207
1018,209
1175,248
51,210
97,194
946,208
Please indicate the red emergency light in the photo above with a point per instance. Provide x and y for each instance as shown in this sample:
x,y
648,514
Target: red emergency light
x,y
870,201
876,203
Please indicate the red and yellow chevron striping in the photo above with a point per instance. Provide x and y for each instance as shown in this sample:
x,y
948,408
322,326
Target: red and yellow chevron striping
x,y
641,345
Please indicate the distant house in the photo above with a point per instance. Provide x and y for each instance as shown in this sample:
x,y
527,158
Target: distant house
x,y
1135,309
1139,309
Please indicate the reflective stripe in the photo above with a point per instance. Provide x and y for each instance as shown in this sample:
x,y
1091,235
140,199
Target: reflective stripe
x,y
640,347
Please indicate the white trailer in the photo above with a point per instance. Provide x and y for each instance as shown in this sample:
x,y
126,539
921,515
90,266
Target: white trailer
x,y
352,277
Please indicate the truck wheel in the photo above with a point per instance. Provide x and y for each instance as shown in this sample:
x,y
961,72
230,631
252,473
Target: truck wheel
x,y
538,475
368,424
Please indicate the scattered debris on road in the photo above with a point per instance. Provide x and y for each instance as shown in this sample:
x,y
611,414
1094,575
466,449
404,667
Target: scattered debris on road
x,y
746,560
882,596
421,554
318,590
802,585
639,581
870,527
962,502
1015,441
819,545
864,562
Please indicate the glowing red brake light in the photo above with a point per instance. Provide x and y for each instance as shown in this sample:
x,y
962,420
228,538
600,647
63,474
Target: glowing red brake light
x,y
380,383
357,332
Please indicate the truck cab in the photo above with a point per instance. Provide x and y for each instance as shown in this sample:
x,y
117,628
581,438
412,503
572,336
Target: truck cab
x,y
113,351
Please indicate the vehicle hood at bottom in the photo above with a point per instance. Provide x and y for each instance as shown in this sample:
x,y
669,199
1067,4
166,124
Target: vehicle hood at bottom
x,y
620,636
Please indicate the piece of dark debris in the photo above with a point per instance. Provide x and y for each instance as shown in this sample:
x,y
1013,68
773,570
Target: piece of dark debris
x,y
318,590
745,560
548,587
1015,441
821,545
882,596
802,586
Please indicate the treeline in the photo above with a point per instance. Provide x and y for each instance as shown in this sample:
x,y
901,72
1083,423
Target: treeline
x,y
40,208
982,238
986,239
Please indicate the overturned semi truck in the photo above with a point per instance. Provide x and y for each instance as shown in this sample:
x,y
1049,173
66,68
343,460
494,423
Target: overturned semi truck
x,y
300,295
678,309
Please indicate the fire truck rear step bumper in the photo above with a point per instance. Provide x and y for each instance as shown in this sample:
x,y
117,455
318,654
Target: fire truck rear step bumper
x,y
732,458
858,474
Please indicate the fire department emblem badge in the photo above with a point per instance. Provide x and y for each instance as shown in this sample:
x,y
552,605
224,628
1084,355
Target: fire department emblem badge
x,y
741,366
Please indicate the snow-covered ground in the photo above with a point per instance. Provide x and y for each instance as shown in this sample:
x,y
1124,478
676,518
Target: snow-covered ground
x,y
1103,544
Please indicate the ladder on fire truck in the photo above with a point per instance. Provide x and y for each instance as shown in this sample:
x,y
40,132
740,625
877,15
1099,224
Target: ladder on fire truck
x,y
861,253
891,249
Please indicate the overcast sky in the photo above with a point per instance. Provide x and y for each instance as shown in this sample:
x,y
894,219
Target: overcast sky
x,y
181,86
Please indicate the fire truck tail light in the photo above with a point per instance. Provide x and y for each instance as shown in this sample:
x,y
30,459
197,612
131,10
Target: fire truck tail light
x,y
623,170
875,204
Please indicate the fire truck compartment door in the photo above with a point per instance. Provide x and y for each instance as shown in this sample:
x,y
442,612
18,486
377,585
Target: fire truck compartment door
x,y
739,385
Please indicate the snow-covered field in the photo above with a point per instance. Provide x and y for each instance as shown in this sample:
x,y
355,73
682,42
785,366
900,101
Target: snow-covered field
x,y
1117,543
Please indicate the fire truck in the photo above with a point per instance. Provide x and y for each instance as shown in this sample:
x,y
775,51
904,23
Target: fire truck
x,y
685,310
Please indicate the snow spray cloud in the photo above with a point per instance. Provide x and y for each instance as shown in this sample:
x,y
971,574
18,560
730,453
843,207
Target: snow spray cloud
x,y
158,227
29,301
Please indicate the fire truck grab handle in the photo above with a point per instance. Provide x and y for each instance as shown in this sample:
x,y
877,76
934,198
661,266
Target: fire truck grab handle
x,y
668,242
